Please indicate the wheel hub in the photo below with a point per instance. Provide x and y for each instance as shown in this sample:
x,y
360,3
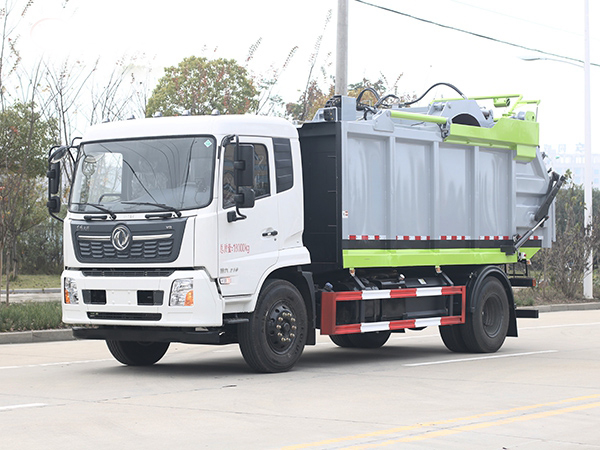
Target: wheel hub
x,y
492,317
281,328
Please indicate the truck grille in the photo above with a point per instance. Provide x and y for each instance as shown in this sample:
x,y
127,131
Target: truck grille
x,y
128,241
144,250
127,272
151,317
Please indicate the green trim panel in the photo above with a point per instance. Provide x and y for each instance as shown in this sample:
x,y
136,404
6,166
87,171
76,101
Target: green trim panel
x,y
438,257
512,134
418,117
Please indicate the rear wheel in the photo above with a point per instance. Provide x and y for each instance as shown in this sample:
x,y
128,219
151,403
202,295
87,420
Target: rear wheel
x,y
137,353
275,335
375,339
486,330
341,340
452,337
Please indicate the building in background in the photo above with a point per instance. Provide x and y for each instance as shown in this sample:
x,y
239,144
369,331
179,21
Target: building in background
x,y
561,158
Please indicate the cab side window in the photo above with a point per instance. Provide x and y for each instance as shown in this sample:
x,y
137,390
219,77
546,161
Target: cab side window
x,y
261,186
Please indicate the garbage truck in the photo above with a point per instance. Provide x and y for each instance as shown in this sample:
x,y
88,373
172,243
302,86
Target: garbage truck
x,y
368,220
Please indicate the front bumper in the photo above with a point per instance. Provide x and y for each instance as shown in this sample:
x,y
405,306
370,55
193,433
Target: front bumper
x,y
153,334
141,300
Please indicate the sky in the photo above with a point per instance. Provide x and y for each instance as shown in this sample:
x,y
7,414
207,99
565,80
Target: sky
x,y
159,34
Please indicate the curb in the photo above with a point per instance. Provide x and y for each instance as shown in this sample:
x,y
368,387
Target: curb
x,y
567,307
28,337
33,291
66,334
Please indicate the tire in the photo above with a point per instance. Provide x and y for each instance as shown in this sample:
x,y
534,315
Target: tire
x,y
485,330
137,353
375,339
453,340
275,335
341,340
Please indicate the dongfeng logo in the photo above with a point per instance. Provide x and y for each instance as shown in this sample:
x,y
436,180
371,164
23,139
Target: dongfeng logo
x,y
121,237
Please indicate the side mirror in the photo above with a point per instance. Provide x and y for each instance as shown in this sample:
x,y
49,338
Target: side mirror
x,y
243,165
57,154
53,204
243,175
245,197
53,176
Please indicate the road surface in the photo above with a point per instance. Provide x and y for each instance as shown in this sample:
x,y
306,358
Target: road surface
x,y
540,391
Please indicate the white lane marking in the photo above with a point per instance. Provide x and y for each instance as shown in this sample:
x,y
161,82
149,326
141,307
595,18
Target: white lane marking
x,y
565,325
27,405
66,363
431,363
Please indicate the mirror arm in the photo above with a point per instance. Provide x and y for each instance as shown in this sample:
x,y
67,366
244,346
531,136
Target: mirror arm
x,y
54,216
234,216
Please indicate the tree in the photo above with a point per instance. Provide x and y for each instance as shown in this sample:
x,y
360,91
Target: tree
x,y
309,102
200,85
39,249
382,87
24,140
563,265
314,98
269,103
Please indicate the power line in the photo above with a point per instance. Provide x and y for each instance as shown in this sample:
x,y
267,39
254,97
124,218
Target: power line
x,y
482,36
498,13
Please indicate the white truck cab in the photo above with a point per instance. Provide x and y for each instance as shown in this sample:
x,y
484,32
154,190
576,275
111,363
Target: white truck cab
x,y
152,236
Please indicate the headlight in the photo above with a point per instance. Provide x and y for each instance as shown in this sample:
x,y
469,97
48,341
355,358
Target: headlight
x,y
70,294
182,293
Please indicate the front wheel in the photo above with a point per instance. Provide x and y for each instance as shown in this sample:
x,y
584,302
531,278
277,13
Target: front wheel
x,y
275,335
137,353
486,330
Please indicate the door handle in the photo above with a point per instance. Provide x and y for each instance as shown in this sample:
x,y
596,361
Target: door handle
x,y
270,233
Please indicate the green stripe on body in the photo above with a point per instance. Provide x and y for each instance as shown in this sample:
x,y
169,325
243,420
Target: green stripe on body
x,y
435,257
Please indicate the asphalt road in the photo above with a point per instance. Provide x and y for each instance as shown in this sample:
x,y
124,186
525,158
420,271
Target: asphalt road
x,y
540,391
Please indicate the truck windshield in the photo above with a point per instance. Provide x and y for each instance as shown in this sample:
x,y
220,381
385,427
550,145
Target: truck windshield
x,y
144,175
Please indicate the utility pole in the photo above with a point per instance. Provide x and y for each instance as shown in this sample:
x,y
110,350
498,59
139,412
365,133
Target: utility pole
x,y
341,53
588,291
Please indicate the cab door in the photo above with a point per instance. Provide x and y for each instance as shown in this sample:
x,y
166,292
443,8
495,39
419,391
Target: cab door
x,y
247,247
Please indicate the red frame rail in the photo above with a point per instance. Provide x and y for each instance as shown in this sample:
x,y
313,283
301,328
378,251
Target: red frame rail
x,y
329,301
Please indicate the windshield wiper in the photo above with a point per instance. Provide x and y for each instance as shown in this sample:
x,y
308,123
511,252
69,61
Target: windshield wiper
x,y
112,215
158,205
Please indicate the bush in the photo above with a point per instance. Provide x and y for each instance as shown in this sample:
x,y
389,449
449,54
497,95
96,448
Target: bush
x,y
30,316
40,249
524,297
561,268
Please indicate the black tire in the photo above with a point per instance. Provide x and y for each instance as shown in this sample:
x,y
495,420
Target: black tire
x,y
375,339
341,340
453,340
275,335
486,328
137,353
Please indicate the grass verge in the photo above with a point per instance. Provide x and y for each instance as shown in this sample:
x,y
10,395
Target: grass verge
x,y
33,282
30,316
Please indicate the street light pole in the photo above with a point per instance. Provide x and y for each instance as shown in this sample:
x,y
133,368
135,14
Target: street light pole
x,y
588,286
341,53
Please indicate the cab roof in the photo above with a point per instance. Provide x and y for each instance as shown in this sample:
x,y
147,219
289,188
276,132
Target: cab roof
x,y
243,125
